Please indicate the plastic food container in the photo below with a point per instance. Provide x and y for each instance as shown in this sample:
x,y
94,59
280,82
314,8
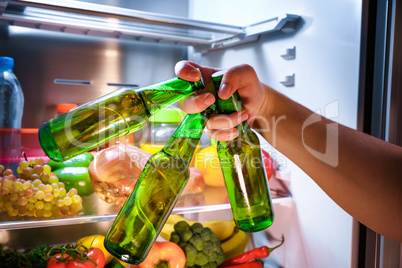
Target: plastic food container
x,y
160,128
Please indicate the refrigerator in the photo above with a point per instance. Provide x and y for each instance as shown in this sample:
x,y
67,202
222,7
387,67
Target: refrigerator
x,y
340,59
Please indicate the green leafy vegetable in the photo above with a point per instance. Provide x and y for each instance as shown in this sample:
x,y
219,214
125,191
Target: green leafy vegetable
x,y
201,246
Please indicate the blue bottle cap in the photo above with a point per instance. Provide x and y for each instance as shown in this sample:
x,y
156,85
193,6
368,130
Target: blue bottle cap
x,y
6,63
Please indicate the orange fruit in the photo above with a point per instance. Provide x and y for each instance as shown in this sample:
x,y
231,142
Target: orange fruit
x,y
197,149
207,161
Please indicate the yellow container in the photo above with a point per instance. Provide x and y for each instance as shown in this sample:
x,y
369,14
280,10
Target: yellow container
x,y
160,128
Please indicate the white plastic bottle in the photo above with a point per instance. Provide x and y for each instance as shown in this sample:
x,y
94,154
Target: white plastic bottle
x,y
11,109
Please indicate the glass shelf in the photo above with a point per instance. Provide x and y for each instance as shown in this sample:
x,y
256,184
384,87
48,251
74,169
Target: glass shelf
x,y
96,210
127,24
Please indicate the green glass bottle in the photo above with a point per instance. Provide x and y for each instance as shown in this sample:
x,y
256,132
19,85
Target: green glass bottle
x,y
244,171
114,115
156,192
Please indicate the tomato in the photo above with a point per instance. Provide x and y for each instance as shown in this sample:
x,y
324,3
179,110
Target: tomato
x,y
67,261
95,241
97,256
52,263
58,262
269,163
77,264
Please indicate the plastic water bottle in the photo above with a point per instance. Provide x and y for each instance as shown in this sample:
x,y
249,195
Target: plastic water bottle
x,y
11,109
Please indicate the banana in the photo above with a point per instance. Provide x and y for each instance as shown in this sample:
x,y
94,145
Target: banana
x,y
235,244
174,218
222,229
167,230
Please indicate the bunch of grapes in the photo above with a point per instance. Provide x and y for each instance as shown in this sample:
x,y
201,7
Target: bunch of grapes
x,y
35,192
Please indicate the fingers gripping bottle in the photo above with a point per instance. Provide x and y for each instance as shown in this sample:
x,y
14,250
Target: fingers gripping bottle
x,y
243,170
156,192
109,117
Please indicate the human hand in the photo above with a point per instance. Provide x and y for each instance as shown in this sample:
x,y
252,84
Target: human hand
x,y
241,78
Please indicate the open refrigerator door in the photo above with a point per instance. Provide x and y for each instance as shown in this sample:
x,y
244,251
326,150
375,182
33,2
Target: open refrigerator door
x,y
316,65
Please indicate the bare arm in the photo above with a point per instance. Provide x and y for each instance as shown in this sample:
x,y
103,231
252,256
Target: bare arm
x,y
360,173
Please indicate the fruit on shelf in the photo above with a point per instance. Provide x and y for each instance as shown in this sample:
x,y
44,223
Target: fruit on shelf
x,y
96,241
34,191
235,244
207,161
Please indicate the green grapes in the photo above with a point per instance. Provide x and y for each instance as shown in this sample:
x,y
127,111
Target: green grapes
x,y
35,192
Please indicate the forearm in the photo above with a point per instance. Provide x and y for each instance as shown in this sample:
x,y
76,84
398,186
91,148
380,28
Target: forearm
x,y
359,172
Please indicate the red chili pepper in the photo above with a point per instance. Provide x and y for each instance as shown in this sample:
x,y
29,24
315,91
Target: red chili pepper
x,y
268,163
261,252
252,264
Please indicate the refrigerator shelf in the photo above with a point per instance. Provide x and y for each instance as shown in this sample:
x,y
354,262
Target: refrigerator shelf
x,y
127,24
96,210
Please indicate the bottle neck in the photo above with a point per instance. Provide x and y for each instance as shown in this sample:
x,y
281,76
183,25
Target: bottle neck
x,y
158,96
230,105
186,137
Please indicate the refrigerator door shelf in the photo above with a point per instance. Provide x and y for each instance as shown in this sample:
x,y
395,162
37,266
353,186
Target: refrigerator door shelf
x,y
288,80
289,53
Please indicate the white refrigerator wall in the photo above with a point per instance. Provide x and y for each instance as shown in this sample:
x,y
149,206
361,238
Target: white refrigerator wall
x,y
326,69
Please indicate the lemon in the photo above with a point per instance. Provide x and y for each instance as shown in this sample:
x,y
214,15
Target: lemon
x,y
207,161
151,148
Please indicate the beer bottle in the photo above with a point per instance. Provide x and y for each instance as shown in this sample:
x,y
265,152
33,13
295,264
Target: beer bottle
x,y
244,171
156,192
109,117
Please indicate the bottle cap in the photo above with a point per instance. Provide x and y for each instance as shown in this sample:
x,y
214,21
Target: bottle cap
x,y
168,115
6,63
219,74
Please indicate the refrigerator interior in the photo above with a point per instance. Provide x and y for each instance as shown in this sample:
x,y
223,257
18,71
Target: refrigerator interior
x,y
62,56
65,67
